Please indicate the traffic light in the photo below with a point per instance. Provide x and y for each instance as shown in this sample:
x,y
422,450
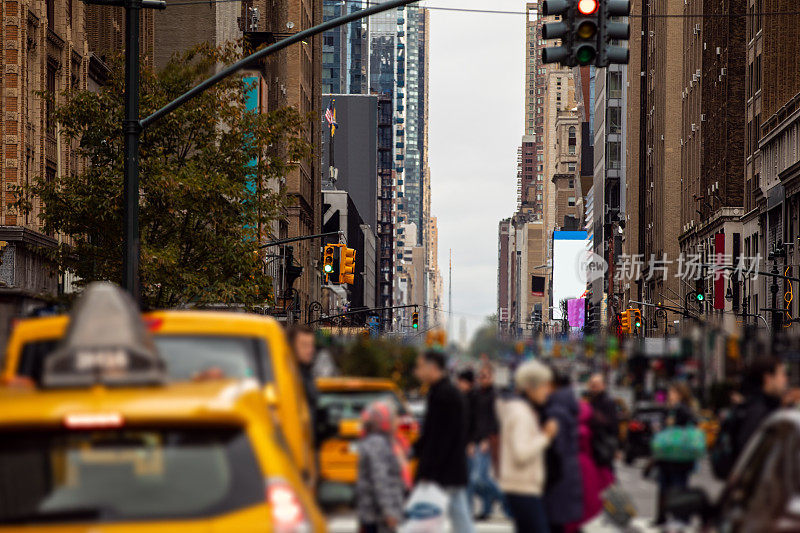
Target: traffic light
x,y
611,30
586,31
636,317
347,271
415,320
561,29
625,321
330,262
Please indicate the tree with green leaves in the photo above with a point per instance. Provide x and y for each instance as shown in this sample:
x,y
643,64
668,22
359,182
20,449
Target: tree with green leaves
x,y
210,184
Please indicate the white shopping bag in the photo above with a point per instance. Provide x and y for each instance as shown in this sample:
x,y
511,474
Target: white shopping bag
x,y
426,509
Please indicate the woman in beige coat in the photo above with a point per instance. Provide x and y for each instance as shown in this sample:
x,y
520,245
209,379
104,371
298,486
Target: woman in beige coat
x,y
523,443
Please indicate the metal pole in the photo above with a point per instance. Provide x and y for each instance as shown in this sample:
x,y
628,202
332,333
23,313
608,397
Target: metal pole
x,y
130,261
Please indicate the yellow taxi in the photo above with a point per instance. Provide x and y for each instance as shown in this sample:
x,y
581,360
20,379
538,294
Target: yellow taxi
x,y
107,444
198,345
183,457
342,399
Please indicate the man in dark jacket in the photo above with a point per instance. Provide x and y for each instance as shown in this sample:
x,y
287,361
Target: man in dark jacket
x,y
441,448
604,424
563,496
484,429
301,340
767,382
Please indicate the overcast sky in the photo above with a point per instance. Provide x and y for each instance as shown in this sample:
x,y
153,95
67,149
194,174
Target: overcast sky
x,y
476,121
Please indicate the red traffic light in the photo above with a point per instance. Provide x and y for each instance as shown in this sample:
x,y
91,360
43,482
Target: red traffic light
x,y
587,7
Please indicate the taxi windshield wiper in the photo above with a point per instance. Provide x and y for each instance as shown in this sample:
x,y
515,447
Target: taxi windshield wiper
x,y
66,515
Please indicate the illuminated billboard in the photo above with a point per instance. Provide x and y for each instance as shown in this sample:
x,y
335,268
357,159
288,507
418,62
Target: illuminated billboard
x,y
569,276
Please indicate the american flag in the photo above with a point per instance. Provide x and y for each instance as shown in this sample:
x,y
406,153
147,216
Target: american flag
x,y
330,114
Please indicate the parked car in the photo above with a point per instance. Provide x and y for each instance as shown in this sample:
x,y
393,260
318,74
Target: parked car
x,y
763,491
648,418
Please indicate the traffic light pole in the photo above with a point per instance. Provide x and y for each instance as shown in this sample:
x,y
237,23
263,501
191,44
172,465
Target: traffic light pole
x,y
133,126
367,310
302,238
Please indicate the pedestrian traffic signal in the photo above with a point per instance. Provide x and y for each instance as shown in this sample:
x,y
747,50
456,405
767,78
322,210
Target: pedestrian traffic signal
x,y
330,262
415,320
347,272
625,321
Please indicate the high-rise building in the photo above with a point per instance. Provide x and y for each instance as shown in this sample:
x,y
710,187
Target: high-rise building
x,y
712,144
659,186
345,51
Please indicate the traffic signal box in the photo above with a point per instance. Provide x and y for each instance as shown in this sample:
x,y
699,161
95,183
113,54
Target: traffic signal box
x,y
347,273
331,256
339,263
625,321
415,320
586,31
636,319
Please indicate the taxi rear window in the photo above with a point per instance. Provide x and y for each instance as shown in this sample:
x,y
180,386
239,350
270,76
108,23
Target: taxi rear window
x,y
187,357
136,474
346,405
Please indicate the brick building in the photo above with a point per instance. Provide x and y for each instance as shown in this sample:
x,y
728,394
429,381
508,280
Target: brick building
x,y
43,48
712,143
660,223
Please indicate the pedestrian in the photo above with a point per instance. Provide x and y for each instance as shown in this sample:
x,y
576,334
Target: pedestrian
x,y
766,384
563,497
379,488
594,478
484,429
673,475
302,342
523,444
442,446
605,426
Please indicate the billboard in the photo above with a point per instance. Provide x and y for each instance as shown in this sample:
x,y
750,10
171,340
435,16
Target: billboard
x,y
569,276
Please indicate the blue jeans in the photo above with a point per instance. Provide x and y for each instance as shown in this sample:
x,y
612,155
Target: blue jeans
x,y
528,513
460,516
482,485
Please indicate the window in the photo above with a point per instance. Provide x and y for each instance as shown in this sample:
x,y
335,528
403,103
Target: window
x,y
615,84
51,15
571,201
572,183
571,168
572,139
51,94
614,120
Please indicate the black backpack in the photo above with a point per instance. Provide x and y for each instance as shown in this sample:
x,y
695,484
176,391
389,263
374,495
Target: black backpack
x,y
604,447
724,453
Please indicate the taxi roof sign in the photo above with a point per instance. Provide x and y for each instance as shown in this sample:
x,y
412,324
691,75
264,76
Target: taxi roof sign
x,y
106,343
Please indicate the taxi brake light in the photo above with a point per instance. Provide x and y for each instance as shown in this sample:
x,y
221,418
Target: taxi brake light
x,y
153,324
287,511
93,421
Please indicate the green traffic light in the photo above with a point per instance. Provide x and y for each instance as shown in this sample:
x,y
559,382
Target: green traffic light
x,y
585,55
638,324
328,269
416,326
700,297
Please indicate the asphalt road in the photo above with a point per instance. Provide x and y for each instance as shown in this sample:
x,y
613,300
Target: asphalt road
x,y
643,491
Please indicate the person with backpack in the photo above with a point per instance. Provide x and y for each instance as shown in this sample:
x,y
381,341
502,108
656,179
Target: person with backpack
x,y
563,493
674,471
764,386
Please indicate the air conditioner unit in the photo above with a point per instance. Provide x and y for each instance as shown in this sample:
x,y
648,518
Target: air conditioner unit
x,y
723,71
719,50
697,72
662,137
702,117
